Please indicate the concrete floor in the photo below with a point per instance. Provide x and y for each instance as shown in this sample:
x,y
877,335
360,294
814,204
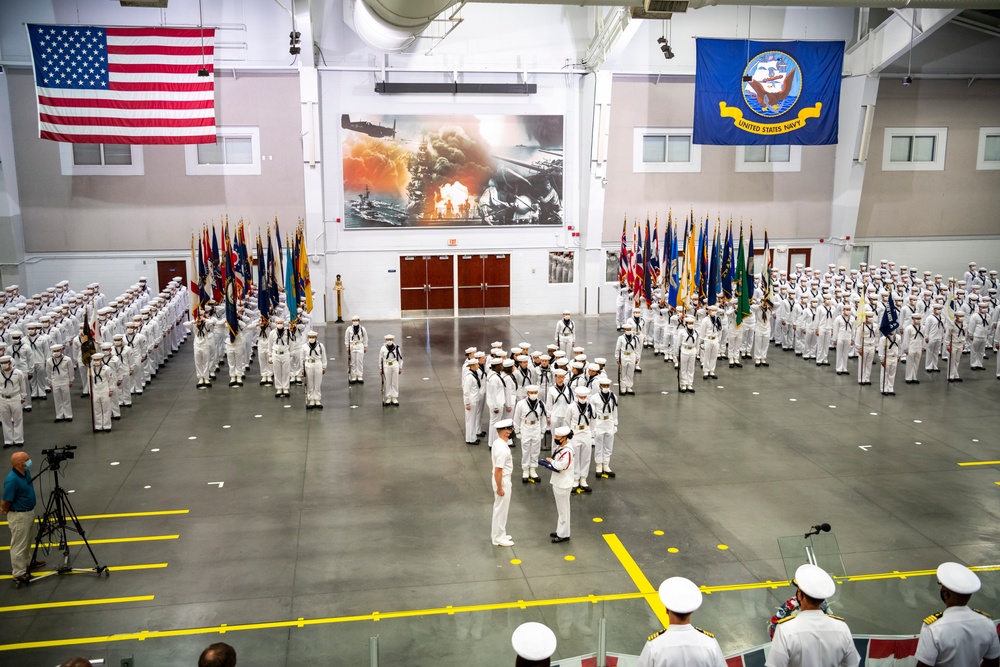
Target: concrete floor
x,y
359,508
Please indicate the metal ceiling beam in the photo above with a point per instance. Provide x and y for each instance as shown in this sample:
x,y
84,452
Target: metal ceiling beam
x,y
893,38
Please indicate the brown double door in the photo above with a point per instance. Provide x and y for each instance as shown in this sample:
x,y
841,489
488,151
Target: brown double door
x,y
426,285
484,284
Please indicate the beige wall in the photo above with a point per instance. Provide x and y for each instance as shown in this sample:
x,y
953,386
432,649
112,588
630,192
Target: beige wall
x,y
959,201
789,205
159,210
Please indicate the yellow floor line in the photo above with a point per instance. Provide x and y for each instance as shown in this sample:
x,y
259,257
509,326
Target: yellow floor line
x,y
113,568
637,576
980,463
109,540
123,515
76,603
650,595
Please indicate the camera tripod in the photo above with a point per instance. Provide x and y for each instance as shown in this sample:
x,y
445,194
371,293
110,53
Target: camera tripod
x,y
59,518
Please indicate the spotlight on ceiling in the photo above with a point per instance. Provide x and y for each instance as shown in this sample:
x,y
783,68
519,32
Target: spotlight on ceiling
x,y
668,53
294,42
907,80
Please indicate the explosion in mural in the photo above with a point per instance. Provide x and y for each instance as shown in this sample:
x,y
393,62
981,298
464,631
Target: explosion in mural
x,y
458,171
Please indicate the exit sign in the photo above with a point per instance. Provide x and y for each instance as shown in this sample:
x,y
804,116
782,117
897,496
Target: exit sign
x,y
452,241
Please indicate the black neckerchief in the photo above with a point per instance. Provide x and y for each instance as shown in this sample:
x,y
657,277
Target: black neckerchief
x,y
609,402
582,417
562,391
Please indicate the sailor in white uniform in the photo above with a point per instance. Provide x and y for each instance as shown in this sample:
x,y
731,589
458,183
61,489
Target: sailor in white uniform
x,y
681,643
958,635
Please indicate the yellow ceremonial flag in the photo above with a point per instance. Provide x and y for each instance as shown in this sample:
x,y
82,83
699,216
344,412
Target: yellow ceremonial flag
x,y
688,289
304,271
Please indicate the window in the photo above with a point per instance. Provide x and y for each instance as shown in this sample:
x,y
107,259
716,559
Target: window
x,y
100,160
914,149
560,267
611,266
988,155
768,158
236,152
664,150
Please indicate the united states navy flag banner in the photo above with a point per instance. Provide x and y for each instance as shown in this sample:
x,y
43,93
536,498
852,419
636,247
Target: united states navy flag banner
x,y
756,93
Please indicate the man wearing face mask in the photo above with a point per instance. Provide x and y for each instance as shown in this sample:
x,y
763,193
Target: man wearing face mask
x,y
562,466
356,342
581,419
627,355
60,371
530,419
566,333
689,351
390,364
13,390
18,507
280,361
102,379
313,370
203,342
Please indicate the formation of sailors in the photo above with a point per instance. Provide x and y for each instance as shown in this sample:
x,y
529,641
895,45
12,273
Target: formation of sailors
x,y
42,342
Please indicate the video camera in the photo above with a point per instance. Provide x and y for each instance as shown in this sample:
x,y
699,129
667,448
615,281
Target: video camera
x,y
55,456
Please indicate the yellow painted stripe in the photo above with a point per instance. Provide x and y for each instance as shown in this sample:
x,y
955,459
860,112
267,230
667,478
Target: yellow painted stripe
x,y
650,596
980,463
637,576
109,540
123,515
77,603
113,568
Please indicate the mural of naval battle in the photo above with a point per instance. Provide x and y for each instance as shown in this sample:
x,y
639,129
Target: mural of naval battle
x,y
452,171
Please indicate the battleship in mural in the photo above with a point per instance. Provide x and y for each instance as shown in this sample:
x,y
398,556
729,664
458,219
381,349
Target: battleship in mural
x,y
443,172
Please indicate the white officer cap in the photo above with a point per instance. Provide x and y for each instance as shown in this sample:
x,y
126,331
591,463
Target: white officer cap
x,y
566,312
58,347
105,346
15,334
559,371
689,319
504,423
628,326
279,320
354,317
97,357
533,641
577,364
545,357
563,431
313,334
470,350
600,360
33,325
636,311
916,316
680,595
958,579
582,391
507,363
814,581
118,337
387,336
604,380
522,358
960,313
593,367
5,359
531,389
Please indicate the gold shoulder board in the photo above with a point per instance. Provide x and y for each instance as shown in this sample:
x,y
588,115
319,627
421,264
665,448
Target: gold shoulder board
x,y
786,618
933,617
982,612
655,635
704,632
836,617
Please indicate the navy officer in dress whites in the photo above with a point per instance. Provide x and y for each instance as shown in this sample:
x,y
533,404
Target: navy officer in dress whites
x,y
534,644
958,635
812,638
681,643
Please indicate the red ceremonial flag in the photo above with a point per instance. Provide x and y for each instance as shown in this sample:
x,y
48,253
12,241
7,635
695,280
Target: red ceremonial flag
x,y
100,85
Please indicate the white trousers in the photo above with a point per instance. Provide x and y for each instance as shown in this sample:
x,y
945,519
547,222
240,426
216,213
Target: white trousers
x,y
604,443
582,441
357,361
865,365
628,371
933,354
202,360
472,422
823,346
314,382
13,420
531,447
709,355
61,398
562,508
280,365
501,506
760,345
843,351
391,382
887,375
687,366
102,410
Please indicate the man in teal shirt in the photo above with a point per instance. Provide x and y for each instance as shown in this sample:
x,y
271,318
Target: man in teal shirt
x,y
18,506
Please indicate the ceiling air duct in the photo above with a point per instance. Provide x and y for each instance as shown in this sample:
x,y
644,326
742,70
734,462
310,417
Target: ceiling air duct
x,y
390,25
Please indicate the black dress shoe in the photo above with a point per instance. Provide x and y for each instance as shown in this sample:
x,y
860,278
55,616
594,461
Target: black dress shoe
x,y
557,539
608,473
553,534
524,480
691,391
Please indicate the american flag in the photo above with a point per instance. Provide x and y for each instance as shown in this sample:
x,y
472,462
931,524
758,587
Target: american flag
x,y
124,85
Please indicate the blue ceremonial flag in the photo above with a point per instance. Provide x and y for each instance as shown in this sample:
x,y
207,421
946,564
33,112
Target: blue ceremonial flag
x,y
713,272
750,267
675,272
291,297
727,264
890,319
767,93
